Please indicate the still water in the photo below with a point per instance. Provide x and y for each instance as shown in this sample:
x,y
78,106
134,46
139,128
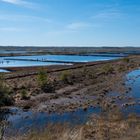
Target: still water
x,y
70,58
133,81
2,70
20,121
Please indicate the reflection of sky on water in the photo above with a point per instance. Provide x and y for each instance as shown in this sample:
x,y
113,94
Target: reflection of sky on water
x,y
21,121
71,58
2,70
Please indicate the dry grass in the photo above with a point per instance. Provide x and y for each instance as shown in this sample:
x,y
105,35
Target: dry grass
x,y
110,127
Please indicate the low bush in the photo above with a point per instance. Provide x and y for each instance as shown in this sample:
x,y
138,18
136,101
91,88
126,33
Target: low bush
x,y
42,78
121,68
107,69
43,81
65,77
5,98
24,94
126,60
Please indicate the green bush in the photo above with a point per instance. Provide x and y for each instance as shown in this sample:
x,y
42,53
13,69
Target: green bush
x,y
126,60
43,81
5,98
24,94
107,69
65,77
42,78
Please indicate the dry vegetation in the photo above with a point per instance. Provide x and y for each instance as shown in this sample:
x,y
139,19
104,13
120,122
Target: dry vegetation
x,y
104,127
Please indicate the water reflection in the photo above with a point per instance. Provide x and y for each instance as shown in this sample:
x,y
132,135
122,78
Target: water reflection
x,y
3,70
21,121
38,60
4,113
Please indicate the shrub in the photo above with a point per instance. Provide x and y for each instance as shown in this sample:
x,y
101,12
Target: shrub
x,y
44,82
24,94
42,78
107,69
126,60
65,77
5,98
121,68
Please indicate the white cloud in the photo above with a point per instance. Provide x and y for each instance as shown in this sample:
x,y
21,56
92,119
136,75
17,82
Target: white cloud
x,y
108,14
20,2
25,18
78,25
11,29
13,1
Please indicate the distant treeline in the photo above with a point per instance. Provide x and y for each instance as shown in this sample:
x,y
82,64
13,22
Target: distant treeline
x,y
71,50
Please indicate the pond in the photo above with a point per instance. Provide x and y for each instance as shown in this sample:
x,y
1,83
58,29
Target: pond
x,y
133,82
19,61
3,70
16,63
21,121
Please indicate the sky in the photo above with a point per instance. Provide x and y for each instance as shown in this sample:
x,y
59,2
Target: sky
x,y
70,22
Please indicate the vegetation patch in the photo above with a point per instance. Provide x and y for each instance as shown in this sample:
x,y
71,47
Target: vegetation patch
x,y
5,93
24,94
107,69
126,60
44,82
66,77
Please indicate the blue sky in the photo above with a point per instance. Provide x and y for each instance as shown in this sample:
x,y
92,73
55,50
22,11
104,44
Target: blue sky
x,y
70,22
